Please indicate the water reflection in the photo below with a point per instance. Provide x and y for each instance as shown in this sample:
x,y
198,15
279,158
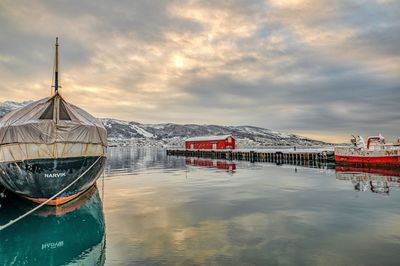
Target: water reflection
x,y
130,160
70,234
219,164
380,181
162,210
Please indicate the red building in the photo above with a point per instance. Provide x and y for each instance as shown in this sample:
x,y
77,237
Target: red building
x,y
211,143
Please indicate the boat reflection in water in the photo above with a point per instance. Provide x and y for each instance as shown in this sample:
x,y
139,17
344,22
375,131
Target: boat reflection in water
x,y
223,165
377,180
69,234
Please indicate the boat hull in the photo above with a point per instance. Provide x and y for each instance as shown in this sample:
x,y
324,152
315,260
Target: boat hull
x,y
389,157
369,160
40,179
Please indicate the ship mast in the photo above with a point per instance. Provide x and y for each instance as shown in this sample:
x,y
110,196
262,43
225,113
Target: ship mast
x,y
56,76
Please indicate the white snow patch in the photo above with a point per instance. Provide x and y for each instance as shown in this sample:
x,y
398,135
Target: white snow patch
x,y
142,131
282,134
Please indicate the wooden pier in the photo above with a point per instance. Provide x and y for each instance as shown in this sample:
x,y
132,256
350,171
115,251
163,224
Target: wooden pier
x,y
283,156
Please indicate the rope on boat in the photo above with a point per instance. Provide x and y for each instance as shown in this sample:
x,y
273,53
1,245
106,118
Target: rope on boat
x,y
102,186
2,227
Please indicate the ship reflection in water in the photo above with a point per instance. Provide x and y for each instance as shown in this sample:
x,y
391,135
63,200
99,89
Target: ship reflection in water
x,y
219,164
380,181
69,234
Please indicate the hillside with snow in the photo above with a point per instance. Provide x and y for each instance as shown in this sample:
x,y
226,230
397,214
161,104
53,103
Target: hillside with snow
x,y
170,134
121,133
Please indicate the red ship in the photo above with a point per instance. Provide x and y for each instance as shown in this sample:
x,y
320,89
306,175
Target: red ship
x,y
375,152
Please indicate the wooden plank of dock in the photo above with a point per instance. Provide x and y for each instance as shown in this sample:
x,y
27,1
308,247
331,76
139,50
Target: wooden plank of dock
x,y
283,156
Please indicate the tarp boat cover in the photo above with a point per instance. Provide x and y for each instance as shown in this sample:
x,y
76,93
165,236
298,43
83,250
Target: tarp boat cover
x,y
51,146
50,128
51,151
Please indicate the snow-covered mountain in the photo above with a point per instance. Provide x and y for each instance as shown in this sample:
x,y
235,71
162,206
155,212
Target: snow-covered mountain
x,y
174,134
169,134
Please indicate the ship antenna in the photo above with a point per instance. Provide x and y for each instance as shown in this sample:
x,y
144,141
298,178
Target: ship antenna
x,y
56,76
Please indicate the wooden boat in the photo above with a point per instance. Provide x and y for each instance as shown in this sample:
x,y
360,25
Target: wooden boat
x,y
375,152
51,147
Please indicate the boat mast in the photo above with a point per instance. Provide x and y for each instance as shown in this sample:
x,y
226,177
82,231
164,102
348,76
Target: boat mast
x,y
56,86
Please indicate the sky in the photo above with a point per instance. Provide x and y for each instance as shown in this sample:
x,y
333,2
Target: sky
x,y
322,69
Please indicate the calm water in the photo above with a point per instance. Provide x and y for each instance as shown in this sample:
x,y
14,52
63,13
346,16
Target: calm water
x,y
150,209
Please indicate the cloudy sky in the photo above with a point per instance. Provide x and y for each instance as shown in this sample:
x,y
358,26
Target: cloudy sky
x,y
324,69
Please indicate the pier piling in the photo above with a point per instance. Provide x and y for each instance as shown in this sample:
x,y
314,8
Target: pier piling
x,y
298,156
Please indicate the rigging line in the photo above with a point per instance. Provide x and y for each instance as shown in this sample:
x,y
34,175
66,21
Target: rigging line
x,y
48,200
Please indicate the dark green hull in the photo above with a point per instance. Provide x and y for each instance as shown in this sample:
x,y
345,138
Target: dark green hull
x,y
41,179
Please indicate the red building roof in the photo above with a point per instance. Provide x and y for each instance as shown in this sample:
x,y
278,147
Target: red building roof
x,y
206,138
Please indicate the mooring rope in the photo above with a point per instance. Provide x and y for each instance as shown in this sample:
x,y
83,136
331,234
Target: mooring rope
x,y
102,186
2,227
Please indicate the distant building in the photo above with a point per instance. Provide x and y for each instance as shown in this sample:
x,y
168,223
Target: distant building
x,y
211,143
